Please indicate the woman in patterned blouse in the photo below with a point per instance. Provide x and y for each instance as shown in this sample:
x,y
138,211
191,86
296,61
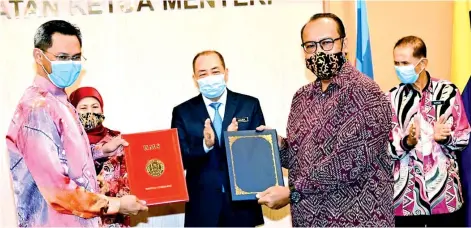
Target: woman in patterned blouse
x,y
107,150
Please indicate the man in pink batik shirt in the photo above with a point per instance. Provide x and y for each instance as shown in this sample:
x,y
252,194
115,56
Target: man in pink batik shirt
x,y
430,129
51,164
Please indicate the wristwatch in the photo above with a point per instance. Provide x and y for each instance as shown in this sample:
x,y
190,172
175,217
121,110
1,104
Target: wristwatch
x,y
294,195
283,144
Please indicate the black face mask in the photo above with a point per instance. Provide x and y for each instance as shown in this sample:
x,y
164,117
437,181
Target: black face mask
x,y
325,66
91,120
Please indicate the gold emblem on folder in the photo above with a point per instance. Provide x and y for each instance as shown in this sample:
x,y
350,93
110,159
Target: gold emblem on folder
x,y
155,168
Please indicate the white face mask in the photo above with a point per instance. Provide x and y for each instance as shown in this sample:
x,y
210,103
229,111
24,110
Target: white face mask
x,y
212,86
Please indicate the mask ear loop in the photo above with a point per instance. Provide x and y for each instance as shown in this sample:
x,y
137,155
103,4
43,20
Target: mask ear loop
x,y
43,65
418,64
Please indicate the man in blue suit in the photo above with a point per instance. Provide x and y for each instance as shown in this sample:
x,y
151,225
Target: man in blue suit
x,y
201,122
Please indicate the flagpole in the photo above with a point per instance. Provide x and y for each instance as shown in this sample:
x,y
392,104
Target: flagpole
x,y
326,6
356,30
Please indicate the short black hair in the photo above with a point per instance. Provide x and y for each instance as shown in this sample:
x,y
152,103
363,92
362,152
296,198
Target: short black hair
x,y
340,26
43,36
417,44
208,52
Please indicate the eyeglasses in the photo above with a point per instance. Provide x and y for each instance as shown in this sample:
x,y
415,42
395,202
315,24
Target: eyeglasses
x,y
62,57
326,44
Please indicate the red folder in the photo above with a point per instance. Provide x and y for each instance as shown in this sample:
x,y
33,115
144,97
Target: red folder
x,y
155,168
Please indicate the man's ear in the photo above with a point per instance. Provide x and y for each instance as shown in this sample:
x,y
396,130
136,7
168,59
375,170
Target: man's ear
x,y
38,56
345,45
425,63
195,81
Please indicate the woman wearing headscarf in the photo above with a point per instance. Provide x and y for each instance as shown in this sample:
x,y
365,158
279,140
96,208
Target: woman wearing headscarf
x,y
107,150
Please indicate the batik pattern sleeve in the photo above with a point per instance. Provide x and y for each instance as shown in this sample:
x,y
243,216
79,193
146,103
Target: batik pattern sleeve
x,y
401,124
458,121
41,144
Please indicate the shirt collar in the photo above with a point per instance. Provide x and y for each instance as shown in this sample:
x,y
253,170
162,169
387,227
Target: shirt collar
x,y
221,100
338,80
47,85
427,88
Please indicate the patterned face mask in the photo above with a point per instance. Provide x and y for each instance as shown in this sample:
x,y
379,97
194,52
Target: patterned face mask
x,y
91,120
325,66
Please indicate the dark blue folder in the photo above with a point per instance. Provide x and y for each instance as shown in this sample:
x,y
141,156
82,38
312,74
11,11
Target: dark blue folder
x,y
253,161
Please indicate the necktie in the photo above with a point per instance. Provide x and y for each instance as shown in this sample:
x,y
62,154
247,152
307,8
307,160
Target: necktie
x,y
217,121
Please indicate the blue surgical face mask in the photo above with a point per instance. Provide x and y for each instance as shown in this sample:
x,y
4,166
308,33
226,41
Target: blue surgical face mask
x,y
64,73
407,74
212,86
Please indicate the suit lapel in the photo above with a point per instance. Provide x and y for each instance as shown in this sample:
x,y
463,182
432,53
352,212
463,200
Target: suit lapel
x,y
200,109
231,105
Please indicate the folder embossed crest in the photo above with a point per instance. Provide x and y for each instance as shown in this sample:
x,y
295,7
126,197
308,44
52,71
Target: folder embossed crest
x,y
253,161
155,167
